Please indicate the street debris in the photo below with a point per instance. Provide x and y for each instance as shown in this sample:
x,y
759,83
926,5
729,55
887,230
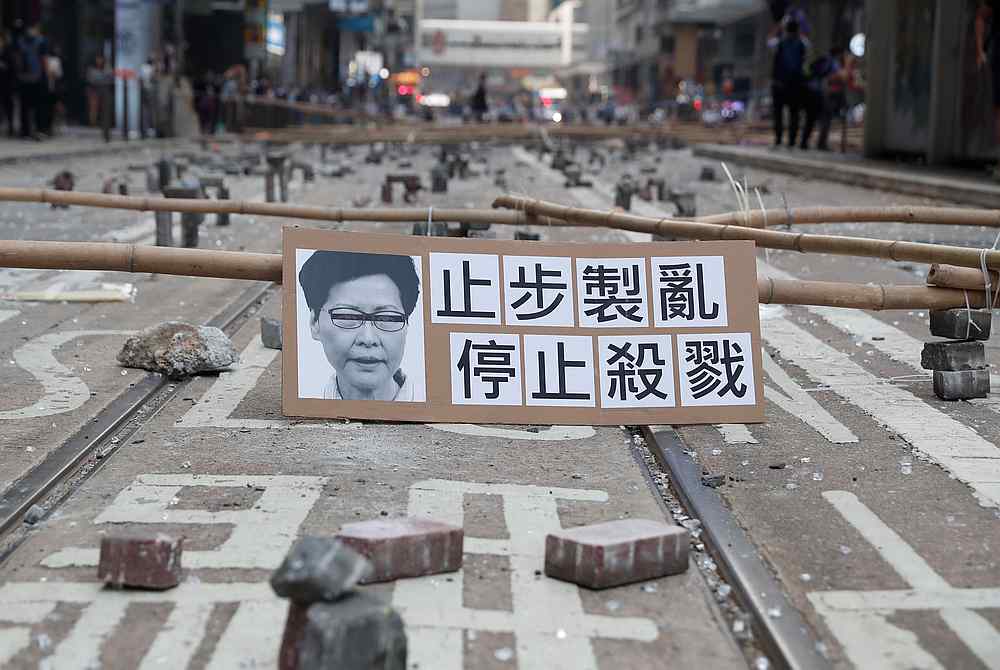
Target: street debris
x,y
63,181
405,547
270,333
179,350
619,552
140,561
960,370
34,514
318,569
329,624
713,481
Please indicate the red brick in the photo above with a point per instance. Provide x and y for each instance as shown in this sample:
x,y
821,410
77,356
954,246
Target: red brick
x,y
142,562
406,547
295,627
616,552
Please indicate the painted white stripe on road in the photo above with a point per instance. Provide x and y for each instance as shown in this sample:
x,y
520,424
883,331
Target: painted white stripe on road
x,y
736,433
794,400
63,391
82,647
551,433
881,641
12,642
183,631
925,428
7,314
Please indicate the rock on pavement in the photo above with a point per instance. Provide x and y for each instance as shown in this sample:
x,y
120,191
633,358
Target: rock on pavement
x,y
179,349
318,569
406,547
145,562
358,632
613,553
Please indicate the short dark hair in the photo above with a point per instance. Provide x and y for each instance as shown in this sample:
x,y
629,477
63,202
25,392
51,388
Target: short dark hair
x,y
792,26
324,269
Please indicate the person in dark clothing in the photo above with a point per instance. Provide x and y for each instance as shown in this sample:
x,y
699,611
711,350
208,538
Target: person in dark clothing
x,y
7,80
787,82
987,28
31,80
479,104
816,96
834,97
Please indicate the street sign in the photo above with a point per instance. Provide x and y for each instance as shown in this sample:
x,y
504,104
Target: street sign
x,y
461,330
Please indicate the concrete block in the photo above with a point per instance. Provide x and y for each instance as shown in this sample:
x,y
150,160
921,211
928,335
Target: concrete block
x,y
616,552
359,632
318,569
962,385
954,356
961,324
270,332
405,547
142,562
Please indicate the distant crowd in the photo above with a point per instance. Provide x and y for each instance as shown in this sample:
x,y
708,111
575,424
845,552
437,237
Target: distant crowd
x,y
31,80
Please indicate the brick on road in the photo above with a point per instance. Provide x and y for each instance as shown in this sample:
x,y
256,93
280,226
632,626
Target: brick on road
x,y
962,385
144,562
613,553
405,547
961,324
953,356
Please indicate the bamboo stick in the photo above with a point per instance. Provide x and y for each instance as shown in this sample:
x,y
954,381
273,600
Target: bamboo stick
x,y
955,216
917,252
964,278
117,257
205,206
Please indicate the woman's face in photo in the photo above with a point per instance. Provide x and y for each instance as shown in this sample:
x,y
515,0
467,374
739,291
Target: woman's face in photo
x,y
366,357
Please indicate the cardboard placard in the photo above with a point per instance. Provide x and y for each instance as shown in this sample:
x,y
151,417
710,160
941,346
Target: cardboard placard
x,y
485,331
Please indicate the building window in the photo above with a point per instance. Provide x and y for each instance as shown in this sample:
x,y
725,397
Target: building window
x,y
666,44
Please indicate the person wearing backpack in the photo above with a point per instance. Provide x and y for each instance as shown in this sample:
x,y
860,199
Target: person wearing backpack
x,y
31,80
787,82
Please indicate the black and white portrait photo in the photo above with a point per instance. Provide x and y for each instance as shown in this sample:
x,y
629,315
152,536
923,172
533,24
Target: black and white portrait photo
x,y
359,326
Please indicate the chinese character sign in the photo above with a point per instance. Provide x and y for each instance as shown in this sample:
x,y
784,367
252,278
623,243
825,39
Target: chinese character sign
x,y
485,331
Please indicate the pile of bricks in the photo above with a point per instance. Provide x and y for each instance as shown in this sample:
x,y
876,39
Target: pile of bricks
x,y
959,364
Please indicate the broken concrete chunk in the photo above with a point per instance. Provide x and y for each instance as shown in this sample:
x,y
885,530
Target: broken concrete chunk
x,y
34,514
953,356
140,561
318,569
359,632
406,547
961,324
616,552
179,349
962,385
270,333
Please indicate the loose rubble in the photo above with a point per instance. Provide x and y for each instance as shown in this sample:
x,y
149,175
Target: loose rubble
x,y
179,350
140,561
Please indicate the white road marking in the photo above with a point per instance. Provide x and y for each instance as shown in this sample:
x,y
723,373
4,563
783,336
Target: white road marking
x,y
552,433
228,391
182,633
260,536
63,390
7,314
12,641
948,442
251,638
859,619
432,607
736,433
794,400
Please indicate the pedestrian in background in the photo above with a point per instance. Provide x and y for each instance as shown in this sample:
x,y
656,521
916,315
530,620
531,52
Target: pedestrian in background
x,y
98,79
787,82
816,97
7,80
50,105
835,97
479,103
30,55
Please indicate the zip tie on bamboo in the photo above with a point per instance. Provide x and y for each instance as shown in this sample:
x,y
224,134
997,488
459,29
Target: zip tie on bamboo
x,y
118,257
915,252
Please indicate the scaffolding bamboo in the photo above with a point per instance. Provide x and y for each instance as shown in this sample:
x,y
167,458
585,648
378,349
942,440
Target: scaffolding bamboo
x,y
950,276
895,250
117,257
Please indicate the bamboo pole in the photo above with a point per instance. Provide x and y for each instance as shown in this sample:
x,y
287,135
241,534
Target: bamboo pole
x,y
955,216
205,206
965,278
117,257
916,252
